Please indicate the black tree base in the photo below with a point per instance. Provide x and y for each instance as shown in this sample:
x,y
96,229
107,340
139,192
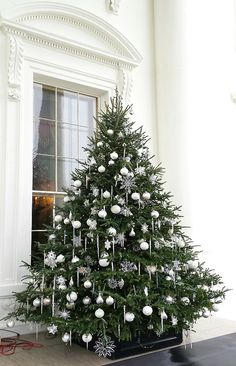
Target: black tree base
x,y
141,343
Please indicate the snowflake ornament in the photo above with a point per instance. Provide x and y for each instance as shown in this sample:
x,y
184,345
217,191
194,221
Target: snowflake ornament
x,y
153,179
140,170
95,191
107,244
52,329
125,211
50,259
61,280
112,283
64,314
144,228
93,225
128,183
120,239
104,347
121,201
127,266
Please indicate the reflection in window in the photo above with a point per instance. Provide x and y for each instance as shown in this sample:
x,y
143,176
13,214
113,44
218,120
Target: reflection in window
x,y
62,122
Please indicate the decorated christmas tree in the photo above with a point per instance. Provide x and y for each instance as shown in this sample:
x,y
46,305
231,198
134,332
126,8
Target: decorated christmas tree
x,y
117,259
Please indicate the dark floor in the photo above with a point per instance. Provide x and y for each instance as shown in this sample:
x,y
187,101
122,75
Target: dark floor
x,y
220,351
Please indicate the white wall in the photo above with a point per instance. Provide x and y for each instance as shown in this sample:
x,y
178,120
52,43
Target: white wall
x,y
196,74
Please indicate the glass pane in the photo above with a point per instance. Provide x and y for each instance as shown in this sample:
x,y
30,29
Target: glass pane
x,y
41,237
43,173
44,137
67,140
44,101
84,133
42,212
87,110
67,106
59,201
64,170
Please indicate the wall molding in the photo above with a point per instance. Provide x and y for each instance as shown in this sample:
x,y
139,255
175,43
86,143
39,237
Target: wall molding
x,y
114,6
114,49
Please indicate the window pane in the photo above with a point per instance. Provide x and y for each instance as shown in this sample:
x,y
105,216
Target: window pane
x,y
44,137
44,101
87,110
84,133
37,236
64,170
42,211
44,173
67,106
67,140
59,202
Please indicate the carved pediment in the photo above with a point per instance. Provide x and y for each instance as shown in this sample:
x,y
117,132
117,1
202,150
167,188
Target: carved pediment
x,y
72,30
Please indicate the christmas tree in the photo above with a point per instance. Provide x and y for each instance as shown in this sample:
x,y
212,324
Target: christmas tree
x,y
117,258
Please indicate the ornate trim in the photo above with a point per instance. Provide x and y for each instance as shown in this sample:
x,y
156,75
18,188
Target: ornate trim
x,y
125,85
15,67
121,49
114,6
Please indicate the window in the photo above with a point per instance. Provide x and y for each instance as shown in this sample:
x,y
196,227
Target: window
x,y
62,122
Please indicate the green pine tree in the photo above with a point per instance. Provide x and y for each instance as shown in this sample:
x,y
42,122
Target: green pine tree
x,y
117,258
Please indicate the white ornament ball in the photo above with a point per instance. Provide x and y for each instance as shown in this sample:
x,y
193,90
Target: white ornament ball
x,y
215,307
144,245
155,214
99,313
180,243
60,258
87,284
86,300
135,196
114,155
147,310
76,224
106,194
66,337
58,218
36,302
70,305
129,317
101,169
115,209
89,222
111,231
193,265
110,132
99,144
77,183
110,300
66,199
111,162
185,300
102,213
169,299
87,337
66,221
10,323
99,300
124,171
146,195
73,296
206,313
46,301
103,262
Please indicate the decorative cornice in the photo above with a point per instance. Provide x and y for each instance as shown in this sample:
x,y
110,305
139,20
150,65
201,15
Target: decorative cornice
x,y
114,6
53,11
14,67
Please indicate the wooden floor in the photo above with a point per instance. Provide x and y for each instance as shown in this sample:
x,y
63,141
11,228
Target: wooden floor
x,y
55,353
